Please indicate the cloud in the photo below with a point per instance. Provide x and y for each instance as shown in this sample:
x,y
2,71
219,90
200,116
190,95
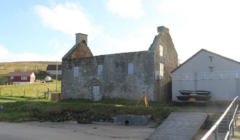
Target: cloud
x,y
204,24
6,56
138,40
62,17
126,8
69,18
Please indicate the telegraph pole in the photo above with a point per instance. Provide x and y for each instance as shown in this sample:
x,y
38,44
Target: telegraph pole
x,y
56,75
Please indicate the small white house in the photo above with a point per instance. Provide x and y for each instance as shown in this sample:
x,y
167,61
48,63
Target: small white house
x,y
53,69
208,71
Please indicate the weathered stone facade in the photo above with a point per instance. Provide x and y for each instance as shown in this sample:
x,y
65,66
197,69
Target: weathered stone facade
x,y
169,58
115,80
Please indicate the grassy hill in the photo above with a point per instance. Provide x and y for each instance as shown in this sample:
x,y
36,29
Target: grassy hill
x,y
35,66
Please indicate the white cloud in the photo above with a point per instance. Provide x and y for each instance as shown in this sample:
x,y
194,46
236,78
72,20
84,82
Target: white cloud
x,y
126,8
6,56
138,40
212,25
68,18
55,17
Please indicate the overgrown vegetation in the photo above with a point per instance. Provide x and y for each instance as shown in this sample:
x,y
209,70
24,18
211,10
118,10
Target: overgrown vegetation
x,y
25,109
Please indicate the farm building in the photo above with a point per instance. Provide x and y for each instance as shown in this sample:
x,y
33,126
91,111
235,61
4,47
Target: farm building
x,y
21,77
54,69
123,75
208,71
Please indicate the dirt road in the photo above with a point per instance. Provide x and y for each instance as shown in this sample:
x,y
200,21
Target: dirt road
x,y
71,131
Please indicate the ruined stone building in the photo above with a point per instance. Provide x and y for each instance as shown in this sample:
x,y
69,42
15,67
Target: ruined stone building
x,y
122,75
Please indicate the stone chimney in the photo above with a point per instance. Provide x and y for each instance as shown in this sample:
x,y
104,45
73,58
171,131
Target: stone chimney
x,y
80,37
162,28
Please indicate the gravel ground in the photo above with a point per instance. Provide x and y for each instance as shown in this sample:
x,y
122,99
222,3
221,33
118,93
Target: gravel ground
x,y
72,131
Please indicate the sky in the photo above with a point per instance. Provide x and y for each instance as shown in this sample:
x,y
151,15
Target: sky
x,y
44,30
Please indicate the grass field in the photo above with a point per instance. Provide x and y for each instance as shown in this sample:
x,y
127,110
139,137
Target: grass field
x,y
30,90
24,108
7,67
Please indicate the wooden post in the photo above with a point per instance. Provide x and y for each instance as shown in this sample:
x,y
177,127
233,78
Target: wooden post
x,y
11,93
24,92
48,93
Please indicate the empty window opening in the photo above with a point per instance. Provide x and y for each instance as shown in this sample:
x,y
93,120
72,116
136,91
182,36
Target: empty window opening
x,y
12,77
161,50
100,67
161,70
130,68
75,71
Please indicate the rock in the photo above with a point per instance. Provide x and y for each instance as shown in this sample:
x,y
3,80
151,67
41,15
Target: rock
x,y
94,127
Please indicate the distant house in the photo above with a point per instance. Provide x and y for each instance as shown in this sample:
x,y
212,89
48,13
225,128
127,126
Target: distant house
x,y
122,75
51,69
21,77
208,71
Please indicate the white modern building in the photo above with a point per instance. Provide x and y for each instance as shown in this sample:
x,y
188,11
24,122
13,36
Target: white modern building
x,y
53,69
208,71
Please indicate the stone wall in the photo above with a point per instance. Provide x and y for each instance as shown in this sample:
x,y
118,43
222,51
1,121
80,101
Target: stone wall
x,y
115,82
162,87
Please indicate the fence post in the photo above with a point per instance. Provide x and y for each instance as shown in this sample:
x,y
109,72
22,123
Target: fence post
x,y
24,92
11,93
216,133
48,93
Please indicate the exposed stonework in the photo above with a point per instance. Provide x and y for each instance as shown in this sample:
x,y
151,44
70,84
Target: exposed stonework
x,y
162,87
81,50
114,81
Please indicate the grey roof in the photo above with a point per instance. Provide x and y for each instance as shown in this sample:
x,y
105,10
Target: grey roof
x,y
54,67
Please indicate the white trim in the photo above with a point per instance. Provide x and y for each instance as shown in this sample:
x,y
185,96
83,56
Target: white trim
x,y
233,75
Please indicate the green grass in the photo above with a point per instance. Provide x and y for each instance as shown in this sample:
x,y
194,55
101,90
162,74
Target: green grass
x,y
25,109
31,90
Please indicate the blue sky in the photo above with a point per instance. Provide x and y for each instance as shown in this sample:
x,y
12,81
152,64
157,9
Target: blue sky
x,y
44,30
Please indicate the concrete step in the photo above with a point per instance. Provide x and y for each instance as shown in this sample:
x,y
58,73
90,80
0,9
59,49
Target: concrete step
x,y
223,126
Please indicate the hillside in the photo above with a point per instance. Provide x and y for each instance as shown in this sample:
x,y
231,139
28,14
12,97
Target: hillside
x,y
6,67
35,66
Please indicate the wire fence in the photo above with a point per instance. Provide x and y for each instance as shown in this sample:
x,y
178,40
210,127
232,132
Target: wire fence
x,y
41,90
